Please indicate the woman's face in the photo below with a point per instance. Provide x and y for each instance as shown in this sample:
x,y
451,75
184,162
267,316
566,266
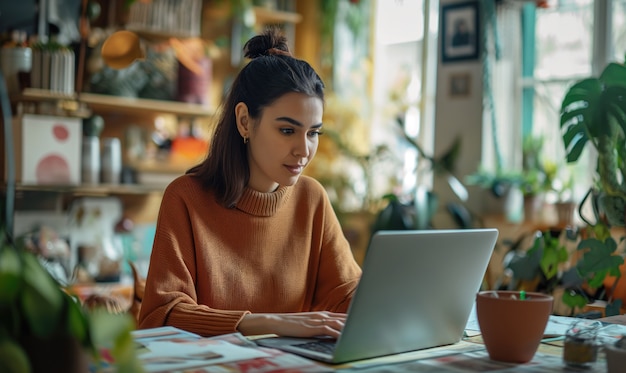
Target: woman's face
x,y
282,141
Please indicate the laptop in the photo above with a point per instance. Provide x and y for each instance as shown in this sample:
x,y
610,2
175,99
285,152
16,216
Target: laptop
x,y
417,291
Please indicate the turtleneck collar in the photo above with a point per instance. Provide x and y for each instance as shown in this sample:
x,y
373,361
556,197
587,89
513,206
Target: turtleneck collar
x,y
263,204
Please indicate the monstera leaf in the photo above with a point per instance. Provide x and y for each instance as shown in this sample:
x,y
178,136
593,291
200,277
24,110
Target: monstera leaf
x,y
591,106
599,260
594,110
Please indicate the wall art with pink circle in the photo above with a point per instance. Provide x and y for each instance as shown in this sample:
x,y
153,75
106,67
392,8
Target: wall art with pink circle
x,y
51,149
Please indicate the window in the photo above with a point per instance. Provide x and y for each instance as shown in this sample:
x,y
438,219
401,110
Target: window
x,y
561,44
404,86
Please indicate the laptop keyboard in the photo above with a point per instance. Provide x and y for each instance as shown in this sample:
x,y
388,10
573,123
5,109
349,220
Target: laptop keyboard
x,y
325,347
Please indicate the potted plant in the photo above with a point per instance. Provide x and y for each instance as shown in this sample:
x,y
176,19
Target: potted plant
x,y
417,211
593,111
564,205
535,179
45,328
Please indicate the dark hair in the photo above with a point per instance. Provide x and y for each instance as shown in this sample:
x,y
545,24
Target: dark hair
x,y
271,73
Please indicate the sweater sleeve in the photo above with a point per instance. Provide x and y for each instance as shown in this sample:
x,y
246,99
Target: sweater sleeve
x,y
339,273
170,295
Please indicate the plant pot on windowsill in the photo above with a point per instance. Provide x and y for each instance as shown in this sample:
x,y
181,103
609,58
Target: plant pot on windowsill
x,y
533,206
565,212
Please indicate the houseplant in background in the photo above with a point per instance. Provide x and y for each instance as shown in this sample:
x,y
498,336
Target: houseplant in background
x,y
593,111
535,178
421,206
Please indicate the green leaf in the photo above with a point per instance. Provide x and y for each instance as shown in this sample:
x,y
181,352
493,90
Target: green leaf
x,y
614,74
10,275
10,319
574,300
42,317
599,258
113,332
589,107
13,358
527,266
41,298
77,321
596,279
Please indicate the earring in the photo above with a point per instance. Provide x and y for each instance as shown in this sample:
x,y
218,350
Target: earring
x,y
245,139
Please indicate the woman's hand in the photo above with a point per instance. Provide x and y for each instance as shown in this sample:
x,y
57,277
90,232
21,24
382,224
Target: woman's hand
x,y
302,324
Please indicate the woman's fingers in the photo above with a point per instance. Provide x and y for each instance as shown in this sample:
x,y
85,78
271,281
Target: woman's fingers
x,y
304,324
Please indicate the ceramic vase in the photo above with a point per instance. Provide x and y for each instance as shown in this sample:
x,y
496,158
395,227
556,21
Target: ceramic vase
x,y
511,327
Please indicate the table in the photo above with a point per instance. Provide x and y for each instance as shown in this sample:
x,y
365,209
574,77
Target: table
x,y
619,319
468,355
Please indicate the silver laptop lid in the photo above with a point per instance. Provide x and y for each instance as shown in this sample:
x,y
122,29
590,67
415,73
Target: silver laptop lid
x,y
417,291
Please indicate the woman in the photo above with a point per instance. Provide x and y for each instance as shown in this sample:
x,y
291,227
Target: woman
x,y
244,242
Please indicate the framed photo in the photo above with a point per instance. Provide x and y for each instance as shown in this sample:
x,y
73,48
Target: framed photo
x,y
460,31
460,85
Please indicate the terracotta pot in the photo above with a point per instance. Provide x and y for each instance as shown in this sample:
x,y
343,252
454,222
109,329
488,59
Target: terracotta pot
x,y
565,212
533,205
512,328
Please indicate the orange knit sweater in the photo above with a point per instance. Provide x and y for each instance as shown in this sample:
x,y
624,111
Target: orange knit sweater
x,y
275,252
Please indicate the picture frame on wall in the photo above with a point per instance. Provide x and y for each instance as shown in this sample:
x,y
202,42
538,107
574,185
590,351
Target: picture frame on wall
x,y
460,32
460,84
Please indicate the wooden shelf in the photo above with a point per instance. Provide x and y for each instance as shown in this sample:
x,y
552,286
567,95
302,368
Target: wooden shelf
x,y
158,35
100,102
93,190
265,16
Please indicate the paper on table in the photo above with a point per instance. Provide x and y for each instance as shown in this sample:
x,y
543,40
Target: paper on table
x,y
184,353
163,332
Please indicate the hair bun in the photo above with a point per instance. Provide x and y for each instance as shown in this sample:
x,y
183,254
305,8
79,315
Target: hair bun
x,y
270,42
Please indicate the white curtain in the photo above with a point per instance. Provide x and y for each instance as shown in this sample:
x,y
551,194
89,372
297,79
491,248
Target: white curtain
x,y
502,115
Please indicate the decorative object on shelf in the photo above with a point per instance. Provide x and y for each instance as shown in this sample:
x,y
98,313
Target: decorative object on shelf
x,y
121,49
91,160
111,160
195,69
512,323
51,150
92,223
593,111
52,67
182,17
14,62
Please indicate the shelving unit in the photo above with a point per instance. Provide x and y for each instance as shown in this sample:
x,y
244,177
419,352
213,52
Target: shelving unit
x,y
93,190
122,110
265,16
107,103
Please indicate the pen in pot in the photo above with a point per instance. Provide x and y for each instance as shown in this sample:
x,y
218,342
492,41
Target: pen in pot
x,y
522,295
